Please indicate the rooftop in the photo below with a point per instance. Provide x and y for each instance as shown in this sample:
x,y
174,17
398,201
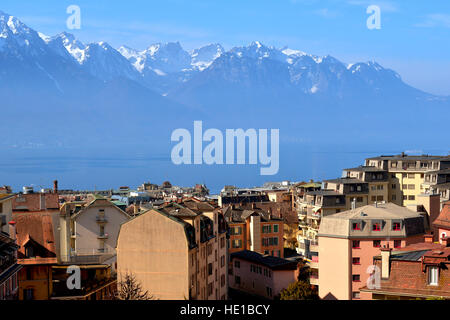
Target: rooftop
x,y
365,169
345,181
274,263
412,157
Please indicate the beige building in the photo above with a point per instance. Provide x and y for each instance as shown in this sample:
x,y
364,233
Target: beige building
x,y
88,231
177,252
407,174
349,240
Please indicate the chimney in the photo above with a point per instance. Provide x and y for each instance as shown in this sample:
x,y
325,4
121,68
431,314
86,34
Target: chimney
x,y
385,262
428,238
42,201
12,230
55,186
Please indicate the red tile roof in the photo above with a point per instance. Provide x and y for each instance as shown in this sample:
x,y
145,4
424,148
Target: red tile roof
x,y
443,220
36,227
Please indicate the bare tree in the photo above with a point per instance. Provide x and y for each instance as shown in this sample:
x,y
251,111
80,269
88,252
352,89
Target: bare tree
x,y
131,289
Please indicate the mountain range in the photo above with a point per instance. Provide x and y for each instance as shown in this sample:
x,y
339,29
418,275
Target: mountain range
x,y
56,90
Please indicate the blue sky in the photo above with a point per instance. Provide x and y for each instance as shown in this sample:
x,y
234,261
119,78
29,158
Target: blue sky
x,y
413,39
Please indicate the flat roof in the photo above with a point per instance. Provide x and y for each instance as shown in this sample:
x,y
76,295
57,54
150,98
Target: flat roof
x,y
274,263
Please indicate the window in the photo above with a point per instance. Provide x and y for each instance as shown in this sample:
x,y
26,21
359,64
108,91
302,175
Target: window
x,y
356,260
275,228
411,197
356,226
222,280
269,291
356,277
222,242
376,243
394,186
355,295
237,243
222,261
237,264
397,243
374,198
394,197
433,276
376,226
237,280
210,269
396,226
359,199
411,186
411,175
355,244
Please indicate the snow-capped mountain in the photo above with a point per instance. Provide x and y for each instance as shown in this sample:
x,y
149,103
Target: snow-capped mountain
x,y
203,57
41,72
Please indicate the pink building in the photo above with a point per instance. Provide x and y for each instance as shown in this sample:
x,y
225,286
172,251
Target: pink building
x,y
261,275
349,240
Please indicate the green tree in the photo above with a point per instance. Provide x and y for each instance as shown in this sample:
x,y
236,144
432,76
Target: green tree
x,y
299,290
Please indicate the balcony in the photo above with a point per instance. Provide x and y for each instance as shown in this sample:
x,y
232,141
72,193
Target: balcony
x,y
103,236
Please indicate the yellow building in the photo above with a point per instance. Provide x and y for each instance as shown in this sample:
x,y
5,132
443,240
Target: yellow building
x,y
407,174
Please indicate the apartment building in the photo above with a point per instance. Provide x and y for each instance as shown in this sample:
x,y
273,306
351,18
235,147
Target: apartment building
x,y
254,229
438,182
9,268
416,272
349,240
88,231
178,251
261,275
376,180
407,174
311,208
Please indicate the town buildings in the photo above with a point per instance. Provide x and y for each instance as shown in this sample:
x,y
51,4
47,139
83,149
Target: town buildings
x,y
349,240
261,275
254,229
178,251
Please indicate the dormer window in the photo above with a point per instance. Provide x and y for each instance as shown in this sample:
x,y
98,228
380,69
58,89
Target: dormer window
x,y
356,226
376,226
396,226
433,276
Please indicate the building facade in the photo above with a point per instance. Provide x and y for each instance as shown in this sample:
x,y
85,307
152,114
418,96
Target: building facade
x,y
177,252
260,275
254,229
349,240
